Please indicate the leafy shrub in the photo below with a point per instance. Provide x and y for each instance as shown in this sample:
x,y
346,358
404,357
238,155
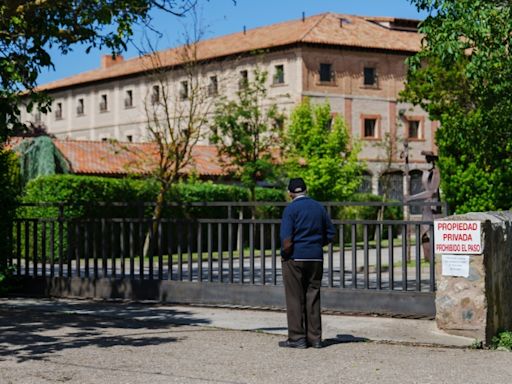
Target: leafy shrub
x,y
367,212
503,340
6,280
84,192
9,191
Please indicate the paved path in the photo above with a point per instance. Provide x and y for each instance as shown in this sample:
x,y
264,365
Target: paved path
x,y
44,341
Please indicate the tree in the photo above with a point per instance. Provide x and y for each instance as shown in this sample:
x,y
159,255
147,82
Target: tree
x,y
29,28
463,77
319,150
177,114
246,130
9,190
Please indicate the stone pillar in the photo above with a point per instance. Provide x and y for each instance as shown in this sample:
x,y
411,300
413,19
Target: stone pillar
x,y
480,305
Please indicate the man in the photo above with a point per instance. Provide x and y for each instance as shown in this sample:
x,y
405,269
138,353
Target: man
x,y
305,229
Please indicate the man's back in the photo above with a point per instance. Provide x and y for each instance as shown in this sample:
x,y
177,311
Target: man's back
x,y
307,224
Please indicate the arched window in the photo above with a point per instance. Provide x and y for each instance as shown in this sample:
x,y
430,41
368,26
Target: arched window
x,y
392,185
366,183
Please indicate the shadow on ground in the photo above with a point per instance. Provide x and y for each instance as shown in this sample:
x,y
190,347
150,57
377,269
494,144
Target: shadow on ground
x,y
37,332
343,339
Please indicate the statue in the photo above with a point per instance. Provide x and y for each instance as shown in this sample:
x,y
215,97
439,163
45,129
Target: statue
x,y
430,181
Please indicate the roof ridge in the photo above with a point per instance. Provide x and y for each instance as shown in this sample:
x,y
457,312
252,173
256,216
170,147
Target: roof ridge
x,y
314,25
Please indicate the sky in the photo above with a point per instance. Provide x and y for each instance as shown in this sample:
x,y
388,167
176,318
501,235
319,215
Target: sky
x,y
221,17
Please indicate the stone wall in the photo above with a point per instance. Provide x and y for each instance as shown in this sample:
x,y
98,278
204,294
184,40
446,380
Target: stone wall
x,y
481,304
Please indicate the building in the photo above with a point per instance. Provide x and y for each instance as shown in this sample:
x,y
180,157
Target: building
x,y
356,63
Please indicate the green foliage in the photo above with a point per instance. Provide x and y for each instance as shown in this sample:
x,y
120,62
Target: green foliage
x,y
9,192
463,78
245,131
503,340
85,191
6,280
319,150
477,344
30,28
367,212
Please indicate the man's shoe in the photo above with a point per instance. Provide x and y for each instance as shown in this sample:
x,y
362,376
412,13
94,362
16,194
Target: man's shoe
x,y
317,344
299,344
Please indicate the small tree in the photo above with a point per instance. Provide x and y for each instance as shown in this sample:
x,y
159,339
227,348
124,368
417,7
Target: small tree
x,y
388,145
318,149
177,115
246,131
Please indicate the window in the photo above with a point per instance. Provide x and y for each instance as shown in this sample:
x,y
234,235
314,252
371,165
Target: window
x,y
213,87
370,76
279,74
413,129
184,90
103,103
366,183
326,75
80,107
155,95
58,111
128,99
392,185
37,117
104,139
244,79
370,128
129,138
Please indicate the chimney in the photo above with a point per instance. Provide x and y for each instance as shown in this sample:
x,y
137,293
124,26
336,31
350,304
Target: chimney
x,y
303,16
109,60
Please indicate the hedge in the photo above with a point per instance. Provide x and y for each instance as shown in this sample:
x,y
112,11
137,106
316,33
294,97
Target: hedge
x,y
83,192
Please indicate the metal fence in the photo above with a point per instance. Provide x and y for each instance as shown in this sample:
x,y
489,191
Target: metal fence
x,y
78,241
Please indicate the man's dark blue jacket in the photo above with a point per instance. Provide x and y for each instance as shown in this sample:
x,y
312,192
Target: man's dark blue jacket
x,y
306,223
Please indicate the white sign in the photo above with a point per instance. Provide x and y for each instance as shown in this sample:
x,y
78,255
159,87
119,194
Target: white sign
x,y
455,265
457,237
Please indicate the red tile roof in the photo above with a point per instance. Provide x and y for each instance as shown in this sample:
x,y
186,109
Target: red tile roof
x,y
113,158
327,28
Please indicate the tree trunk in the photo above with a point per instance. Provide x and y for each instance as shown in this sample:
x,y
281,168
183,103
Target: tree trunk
x,y
155,222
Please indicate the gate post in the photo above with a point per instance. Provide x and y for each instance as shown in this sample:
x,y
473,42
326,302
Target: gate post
x,y
474,288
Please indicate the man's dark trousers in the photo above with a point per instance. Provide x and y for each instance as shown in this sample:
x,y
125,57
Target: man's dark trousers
x,y
302,280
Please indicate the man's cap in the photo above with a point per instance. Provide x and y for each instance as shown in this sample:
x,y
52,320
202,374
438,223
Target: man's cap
x,y
297,185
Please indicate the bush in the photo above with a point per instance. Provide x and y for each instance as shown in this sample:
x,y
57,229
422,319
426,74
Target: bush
x,y
360,212
84,192
7,282
367,212
9,192
503,340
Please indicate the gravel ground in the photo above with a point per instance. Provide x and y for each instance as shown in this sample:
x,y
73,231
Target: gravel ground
x,y
38,347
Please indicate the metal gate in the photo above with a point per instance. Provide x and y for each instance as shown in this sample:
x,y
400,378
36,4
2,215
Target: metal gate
x,y
373,266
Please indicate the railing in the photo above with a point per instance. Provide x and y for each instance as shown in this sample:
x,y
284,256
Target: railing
x,y
384,255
